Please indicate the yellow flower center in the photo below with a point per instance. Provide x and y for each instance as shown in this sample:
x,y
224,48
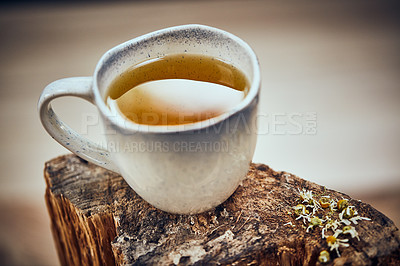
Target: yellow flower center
x,y
331,240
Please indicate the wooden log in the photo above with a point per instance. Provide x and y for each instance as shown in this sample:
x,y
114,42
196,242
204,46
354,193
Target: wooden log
x,y
98,219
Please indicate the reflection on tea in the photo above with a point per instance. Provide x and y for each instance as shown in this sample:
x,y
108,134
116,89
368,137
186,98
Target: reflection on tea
x,y
177,89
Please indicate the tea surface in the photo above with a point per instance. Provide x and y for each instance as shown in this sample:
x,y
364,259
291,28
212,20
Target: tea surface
x,y
177,89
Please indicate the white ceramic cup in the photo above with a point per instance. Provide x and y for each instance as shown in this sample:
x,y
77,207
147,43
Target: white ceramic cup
x,y
187,168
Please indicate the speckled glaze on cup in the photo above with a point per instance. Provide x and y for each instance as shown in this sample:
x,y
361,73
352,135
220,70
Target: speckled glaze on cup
x,y
187,168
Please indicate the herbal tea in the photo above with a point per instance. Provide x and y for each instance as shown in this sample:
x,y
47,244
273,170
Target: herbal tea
x,y
177,89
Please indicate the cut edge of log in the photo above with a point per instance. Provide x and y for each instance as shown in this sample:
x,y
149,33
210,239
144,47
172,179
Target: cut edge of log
x,y
80,239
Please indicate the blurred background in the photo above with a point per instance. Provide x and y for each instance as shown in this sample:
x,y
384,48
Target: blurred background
x,y
329,109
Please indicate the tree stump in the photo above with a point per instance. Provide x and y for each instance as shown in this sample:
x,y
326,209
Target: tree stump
x,y
98,219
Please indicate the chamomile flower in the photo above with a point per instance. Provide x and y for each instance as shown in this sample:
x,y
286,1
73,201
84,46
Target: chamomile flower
x,y
347,213
301,212
350,215
342,204
300,209
324,202
356,218
335,243
324,256
306,196
314,222
331,215
332,225
348,229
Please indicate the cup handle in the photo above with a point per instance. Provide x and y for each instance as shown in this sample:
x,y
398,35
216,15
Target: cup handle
x,y
86,149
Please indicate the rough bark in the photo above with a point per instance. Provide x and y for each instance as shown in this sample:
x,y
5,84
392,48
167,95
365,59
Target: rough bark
x,y
98,219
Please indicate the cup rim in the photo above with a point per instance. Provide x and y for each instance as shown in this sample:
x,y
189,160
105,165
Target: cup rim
x,y
128,125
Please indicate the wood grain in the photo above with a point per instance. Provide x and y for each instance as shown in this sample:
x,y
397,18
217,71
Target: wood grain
x,y
98,219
